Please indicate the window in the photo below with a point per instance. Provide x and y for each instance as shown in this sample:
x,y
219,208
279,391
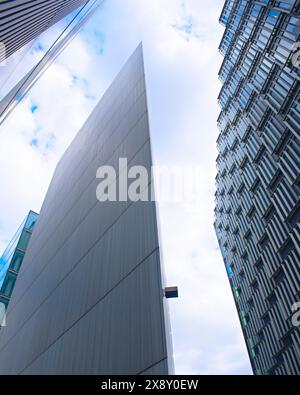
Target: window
x,y
17,261
8,285
279,276
272,299
266,319
31,220
24,240
255,285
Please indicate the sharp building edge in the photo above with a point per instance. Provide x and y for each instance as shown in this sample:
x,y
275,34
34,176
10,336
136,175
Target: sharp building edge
x,y
89,298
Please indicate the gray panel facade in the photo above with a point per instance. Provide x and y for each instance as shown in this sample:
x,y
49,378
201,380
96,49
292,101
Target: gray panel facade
x,y
258,182
24,20
89,298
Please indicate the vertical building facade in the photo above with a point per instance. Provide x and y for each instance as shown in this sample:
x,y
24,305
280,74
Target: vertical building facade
x,y
24,20
89,299
257,215
12,259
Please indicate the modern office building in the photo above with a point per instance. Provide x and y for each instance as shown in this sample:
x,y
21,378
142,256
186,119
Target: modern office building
x,y
90,299
24,20
23,87
11,260
258,182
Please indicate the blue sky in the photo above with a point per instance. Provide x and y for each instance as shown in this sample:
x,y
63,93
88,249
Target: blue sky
x,y
181,58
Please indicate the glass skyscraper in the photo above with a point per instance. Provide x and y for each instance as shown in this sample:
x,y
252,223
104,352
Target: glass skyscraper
x,y
12,259
257,215
24,20
9,101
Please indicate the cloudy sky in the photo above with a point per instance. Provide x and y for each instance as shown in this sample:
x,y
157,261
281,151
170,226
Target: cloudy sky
x,y
180,40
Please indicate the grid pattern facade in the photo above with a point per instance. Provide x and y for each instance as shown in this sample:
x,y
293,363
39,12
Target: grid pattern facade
x,y
24,20
257,214
89,297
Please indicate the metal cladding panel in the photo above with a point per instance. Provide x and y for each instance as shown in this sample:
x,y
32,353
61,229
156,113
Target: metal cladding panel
x,y
89,297
24,20
258,182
